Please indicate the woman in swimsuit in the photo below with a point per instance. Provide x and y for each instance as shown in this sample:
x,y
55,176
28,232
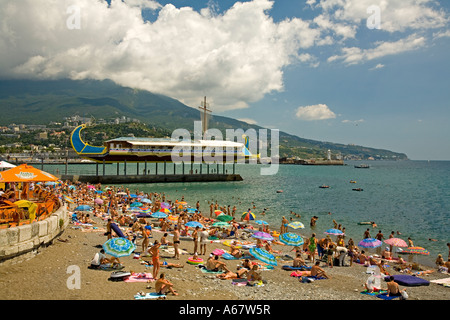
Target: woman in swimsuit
x,y
312,247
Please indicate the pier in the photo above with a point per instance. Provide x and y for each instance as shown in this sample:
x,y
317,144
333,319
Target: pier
x,y
140,172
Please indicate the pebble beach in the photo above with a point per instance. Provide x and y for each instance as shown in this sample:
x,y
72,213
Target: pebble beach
x,y
45,275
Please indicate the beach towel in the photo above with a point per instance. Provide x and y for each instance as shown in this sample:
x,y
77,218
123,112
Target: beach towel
x,y
291,268
300,273
443,282
239,282
149,295
385,297
228,256
204,270
375,293
140,277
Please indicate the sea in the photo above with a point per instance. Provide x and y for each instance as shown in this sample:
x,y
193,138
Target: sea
x,y
411,198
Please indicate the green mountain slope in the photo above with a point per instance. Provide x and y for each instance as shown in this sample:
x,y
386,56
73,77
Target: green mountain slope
x,y
39,102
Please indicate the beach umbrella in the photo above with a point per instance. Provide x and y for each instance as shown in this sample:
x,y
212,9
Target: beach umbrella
x,y
72,187
98,201
50,183
119,247
263,255
370,243
136,204
296,225
396,242
165,205
4,164
262,236
261,222
334,232
25,173
132,195
83,207
68,199
172,218
190,210
145,200
145,210
415,250
224,218
291,239
193,224
220,224
218,212
91,187
159,215
248,216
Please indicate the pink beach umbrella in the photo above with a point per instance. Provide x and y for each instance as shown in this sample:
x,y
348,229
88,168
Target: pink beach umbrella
x,y
98,201
370,243
396,242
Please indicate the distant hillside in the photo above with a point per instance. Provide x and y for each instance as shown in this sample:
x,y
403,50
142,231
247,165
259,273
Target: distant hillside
x,y
39,102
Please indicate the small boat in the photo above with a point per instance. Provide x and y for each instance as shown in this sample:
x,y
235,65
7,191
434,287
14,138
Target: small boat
x,y
364,223
279,191
357,189
324,187
352,181
362,166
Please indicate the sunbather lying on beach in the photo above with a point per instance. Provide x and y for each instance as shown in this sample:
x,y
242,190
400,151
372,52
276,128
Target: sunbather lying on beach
x,y
228,274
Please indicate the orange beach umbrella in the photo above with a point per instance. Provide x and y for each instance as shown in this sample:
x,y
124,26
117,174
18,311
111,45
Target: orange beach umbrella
x,y
25,173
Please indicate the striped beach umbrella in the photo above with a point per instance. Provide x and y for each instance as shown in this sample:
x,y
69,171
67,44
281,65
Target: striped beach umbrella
x,y
262,236
159,215
370,243
165,210
218,212
172,218
248,216
67,199
334,232
415,250
119,247
224,218
296,225
193,224
263,255
221,224
291,239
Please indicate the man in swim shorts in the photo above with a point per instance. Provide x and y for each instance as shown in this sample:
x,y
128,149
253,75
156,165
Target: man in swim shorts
x,y
176,242
162,285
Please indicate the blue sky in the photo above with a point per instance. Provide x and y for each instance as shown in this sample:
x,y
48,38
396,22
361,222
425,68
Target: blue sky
x,y
312,68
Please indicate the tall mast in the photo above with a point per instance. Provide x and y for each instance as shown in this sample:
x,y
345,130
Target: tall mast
x,y
204,107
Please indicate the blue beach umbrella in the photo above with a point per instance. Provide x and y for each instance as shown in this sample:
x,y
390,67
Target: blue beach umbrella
x,y
136,204
145,200
83,207
193,224
291,239
263,255
335,232
119,247
191,210
261,222
159,214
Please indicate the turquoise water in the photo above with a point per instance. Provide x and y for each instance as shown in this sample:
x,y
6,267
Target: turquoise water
x,y
412,197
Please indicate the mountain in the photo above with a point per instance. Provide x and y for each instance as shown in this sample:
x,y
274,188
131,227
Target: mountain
x,y
40,102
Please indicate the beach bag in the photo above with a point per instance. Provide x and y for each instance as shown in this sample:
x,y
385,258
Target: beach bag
x,y
336,262
404,295
119,275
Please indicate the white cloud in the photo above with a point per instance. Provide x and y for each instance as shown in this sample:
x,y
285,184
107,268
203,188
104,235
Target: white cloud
x,y
235,57
355,55
315,112
378,66
355,122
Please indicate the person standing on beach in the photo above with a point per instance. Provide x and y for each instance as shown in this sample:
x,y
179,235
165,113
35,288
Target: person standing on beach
x,y
176,242
312,248
145,239
203,240
284,225
195,238
154,251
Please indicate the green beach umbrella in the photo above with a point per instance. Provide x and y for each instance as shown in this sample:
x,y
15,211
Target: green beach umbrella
x,y
291,239
263,255
224,218
119,247
220,224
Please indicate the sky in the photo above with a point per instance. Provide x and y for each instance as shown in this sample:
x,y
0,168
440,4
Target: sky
x,y
366,72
